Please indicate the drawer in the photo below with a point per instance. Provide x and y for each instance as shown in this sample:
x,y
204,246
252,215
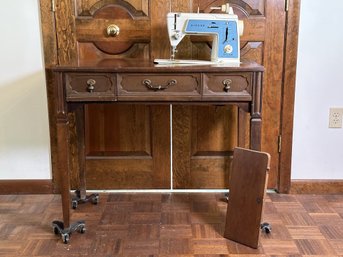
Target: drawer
x,y
159,87
235,86
90,87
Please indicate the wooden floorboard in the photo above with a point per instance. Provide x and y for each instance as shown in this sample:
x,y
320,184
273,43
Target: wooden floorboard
x,y
167,225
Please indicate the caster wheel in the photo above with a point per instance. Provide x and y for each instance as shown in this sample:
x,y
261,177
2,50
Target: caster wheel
x,y
266,228
226,195
56,232
65,238
95,200
78,193
74,204
82,230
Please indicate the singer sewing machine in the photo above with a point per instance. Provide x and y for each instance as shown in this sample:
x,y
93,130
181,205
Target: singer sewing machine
x,y
225,29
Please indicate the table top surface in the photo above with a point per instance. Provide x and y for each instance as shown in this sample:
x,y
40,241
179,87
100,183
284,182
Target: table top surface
x,y
134,65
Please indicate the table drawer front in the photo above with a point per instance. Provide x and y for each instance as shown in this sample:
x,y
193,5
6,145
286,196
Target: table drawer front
x,y
90,87
236,85
159,86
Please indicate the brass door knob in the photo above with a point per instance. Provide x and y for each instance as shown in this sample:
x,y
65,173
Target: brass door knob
x,y
113,30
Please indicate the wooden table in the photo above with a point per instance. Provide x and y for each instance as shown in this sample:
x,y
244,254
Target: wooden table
x,y
132,81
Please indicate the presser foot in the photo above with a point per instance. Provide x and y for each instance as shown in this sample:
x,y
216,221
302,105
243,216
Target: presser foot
x,y
93,198
58,228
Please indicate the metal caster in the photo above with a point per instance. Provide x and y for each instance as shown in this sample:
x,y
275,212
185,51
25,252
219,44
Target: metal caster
x,y
74,203
93,198
58,228
266,227
226,195
65,238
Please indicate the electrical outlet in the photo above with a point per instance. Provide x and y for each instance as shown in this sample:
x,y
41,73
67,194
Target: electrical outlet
x,y
335,117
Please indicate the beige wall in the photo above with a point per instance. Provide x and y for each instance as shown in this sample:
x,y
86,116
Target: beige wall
x,y
24,138
317,149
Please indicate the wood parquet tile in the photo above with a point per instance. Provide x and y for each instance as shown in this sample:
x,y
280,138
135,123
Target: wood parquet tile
x,y
168,225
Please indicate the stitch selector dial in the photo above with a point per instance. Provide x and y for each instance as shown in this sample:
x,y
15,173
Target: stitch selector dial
x,y
228,49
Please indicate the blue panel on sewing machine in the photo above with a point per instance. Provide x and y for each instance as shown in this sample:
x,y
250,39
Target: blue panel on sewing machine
x,y
226,31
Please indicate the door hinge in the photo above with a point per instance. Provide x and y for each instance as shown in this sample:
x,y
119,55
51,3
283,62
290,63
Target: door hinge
x,y
286,5
279,143
53,6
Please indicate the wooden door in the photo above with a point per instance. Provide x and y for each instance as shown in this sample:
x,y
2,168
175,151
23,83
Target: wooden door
x,y
204,136
127,146
211,131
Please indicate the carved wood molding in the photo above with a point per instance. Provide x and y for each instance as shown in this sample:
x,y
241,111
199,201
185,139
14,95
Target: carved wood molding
x,y
240,5
133,27
134,13
249,47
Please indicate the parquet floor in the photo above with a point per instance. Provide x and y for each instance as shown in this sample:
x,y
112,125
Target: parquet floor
x,y
164,225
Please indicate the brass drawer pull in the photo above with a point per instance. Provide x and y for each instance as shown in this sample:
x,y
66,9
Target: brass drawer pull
x,y
90,85
148,84
227,83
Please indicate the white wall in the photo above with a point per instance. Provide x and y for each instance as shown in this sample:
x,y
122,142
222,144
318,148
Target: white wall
x,y
317,149
24,138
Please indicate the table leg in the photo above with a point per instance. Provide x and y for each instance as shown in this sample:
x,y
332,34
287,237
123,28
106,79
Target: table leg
x,y
255,112
255,133
80,194
65,228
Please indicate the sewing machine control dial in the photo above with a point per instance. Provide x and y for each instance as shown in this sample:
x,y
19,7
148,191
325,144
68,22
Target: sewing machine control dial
x,y
176,36
228,49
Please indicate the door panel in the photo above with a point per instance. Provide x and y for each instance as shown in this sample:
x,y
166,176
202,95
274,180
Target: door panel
x,y
126,145
212,139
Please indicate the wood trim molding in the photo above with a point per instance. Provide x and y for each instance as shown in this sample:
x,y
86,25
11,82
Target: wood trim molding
x,y
26,186
316,186
287,107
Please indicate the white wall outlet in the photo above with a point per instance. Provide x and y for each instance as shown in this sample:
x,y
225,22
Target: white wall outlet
x,y
335,117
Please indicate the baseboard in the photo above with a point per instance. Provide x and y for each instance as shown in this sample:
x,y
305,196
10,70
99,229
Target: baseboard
x,y
26,186
316,186
45,186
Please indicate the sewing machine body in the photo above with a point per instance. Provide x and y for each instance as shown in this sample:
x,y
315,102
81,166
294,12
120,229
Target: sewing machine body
x,y
223,27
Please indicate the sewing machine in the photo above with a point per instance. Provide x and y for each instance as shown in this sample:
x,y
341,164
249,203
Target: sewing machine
x,y
225,29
